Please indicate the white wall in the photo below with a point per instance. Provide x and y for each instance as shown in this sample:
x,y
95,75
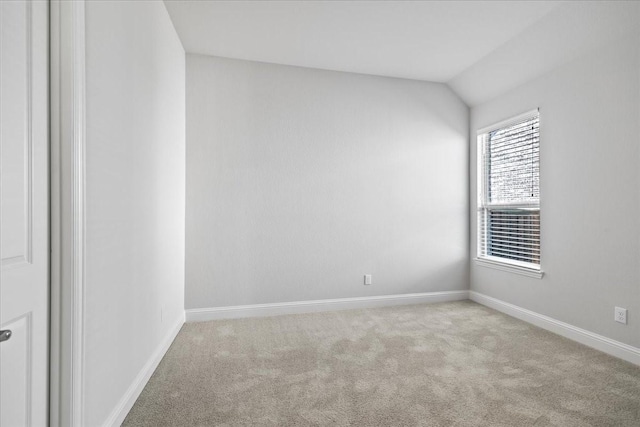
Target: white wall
x,y
590,191
135,184
300,181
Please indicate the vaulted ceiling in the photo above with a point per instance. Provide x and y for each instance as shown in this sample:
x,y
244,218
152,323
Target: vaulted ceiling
x,y
480,48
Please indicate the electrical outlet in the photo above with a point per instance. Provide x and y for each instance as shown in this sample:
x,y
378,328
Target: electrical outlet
x,y
620,315
367,279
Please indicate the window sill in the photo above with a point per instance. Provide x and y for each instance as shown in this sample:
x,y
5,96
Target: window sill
x,y
503,266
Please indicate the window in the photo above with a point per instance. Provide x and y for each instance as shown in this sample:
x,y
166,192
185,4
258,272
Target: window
x,y
509,194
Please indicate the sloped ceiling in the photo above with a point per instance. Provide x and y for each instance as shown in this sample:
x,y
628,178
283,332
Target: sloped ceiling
x,y
564,34
480,48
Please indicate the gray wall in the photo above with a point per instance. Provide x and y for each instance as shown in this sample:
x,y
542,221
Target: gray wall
x,y
300,181
590,192
135,178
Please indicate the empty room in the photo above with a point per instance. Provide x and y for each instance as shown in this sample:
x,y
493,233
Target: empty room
x,y
319,213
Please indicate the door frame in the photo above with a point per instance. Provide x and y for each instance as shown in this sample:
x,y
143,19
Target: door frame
x,y
67,204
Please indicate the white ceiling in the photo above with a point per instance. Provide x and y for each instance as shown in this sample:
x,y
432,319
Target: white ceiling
x,y
564,34
432,41
475,46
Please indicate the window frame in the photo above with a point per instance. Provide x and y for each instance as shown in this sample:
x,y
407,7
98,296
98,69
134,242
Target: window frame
x,y
499,263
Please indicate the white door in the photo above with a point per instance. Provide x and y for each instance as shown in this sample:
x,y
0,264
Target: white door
x,y
24,235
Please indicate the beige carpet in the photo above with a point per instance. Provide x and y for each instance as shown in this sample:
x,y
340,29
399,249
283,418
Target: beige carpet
x,y
450,364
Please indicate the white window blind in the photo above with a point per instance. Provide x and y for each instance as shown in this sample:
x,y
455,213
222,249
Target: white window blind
x,y
509,192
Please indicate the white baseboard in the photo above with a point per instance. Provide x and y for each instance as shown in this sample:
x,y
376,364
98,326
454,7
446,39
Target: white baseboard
x,y
599,342
120,412
276,309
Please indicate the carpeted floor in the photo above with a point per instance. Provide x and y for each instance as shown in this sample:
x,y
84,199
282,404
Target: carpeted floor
x,y
449,364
